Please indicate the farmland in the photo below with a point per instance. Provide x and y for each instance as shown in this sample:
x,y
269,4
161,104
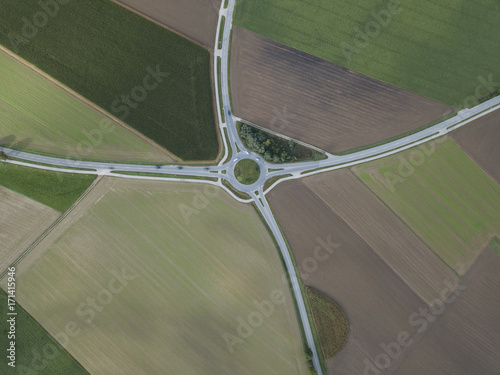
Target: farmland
x,y
437,190
38,115
36,351
153,79
481,140
465,337
54,189
333,259
383,276
440,51
170,286
196,19
22,221
317,102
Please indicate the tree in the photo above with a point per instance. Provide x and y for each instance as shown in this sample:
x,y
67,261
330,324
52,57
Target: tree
x,y
3,156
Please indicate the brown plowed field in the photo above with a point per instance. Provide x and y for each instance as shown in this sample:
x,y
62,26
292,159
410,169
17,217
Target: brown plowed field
x,y
375,299
22,220
465,338
196,19
318,102
481,140
383,277
382,230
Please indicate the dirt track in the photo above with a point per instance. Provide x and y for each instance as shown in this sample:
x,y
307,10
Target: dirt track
x,y
196,19
22,220
318,102
480,141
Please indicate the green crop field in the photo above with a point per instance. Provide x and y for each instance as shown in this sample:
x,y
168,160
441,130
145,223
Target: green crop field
x,y
173,269
37,115
451,203
330,321
36,351
54,189
151,78
433,48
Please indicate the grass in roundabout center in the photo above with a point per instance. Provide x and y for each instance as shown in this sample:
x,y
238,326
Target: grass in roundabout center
x,y
247,171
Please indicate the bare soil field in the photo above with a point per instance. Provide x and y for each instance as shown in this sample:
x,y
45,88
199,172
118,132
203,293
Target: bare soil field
x,y
465,338
196,19
153,290
377,302
382,230
316,101
481,140
22,220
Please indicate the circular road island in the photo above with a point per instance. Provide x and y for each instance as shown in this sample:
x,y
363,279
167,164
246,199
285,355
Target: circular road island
x,y
247,171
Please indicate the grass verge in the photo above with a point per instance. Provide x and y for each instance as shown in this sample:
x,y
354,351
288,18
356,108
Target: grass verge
x,y
272,180
238,193
219,92
146,174
247,171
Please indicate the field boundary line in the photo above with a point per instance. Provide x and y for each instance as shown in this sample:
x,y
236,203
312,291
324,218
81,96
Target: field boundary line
x,y
52,226
150,19
86,101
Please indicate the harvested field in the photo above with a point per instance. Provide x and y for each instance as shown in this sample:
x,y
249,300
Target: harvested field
x,y
318,102
481,141
335,260
22,220
168,286
450,203
465,338
37,114
196,19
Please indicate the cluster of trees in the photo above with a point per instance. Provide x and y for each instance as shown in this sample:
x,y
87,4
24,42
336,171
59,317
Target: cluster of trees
x,y
267,147
309,359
